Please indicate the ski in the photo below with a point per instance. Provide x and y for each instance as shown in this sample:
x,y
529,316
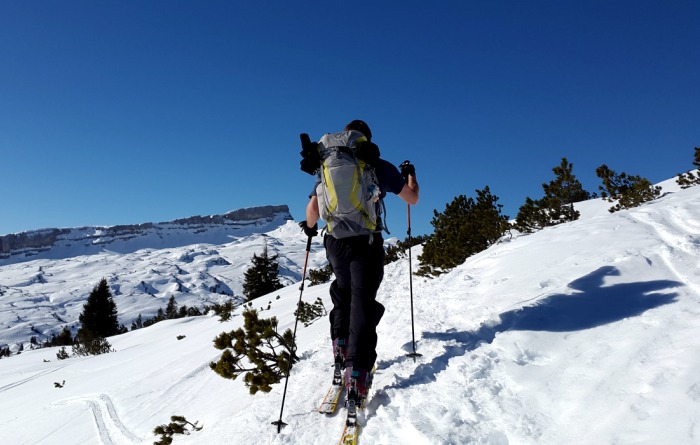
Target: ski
x,y
355,404
351,431
330,402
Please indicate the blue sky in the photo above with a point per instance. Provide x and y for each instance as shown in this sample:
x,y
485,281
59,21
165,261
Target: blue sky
x,y
123,112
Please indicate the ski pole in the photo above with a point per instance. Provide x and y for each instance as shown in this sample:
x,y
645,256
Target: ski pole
x,y
413,354
279,422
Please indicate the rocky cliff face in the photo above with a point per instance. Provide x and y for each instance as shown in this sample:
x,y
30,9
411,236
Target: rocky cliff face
x,y
214,229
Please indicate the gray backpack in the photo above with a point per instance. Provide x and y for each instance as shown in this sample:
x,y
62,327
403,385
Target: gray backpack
x,y
348,195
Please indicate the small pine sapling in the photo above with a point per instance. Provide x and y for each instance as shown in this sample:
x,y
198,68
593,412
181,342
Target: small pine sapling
x,y
690,179
62,354
178,425
257,350
320,276
308,313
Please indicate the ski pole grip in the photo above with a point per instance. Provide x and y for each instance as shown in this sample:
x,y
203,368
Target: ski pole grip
x,y
308,244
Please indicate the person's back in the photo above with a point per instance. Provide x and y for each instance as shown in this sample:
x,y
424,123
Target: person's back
x,y
358,264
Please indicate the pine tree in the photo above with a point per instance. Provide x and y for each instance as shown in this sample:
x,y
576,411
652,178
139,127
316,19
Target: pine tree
x,y
262,277
308,313
400,249
257,350
563,192
171,309
629,191
64,338
178,425
466,227
320,276
90,344
557,205
224,311
98,320
160,316
5,352
62,354
531,216
99,316
137,324
690,179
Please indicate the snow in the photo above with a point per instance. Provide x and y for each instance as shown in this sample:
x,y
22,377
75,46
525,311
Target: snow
x,y
583,333
38,297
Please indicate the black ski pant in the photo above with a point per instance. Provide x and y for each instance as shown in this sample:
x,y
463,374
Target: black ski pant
x,y
358,266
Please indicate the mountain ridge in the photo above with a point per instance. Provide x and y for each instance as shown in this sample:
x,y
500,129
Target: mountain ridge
x,y
60,243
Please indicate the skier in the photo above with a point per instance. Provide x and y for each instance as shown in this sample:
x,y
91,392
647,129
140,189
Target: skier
x,y
358,264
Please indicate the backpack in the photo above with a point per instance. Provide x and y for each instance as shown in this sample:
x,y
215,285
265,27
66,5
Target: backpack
x,y
348,194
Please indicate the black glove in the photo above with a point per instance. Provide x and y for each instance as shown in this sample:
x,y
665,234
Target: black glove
x,y
310,165
309,231
407,169
311,159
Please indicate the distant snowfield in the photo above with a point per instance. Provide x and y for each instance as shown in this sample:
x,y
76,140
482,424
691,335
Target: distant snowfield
x,y
584,333
38,297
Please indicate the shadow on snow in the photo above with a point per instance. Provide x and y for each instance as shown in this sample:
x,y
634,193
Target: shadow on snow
x,y
594,305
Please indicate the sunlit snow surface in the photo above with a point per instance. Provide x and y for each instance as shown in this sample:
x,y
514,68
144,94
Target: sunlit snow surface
x,y
584,333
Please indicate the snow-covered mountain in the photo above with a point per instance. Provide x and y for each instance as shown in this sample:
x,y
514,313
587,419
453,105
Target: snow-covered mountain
x,y
69,243
583,333
198,260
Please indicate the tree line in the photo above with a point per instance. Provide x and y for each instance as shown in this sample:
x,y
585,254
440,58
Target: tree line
x,y
469,225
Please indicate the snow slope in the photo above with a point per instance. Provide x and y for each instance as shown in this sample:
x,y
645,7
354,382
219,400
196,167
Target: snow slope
x,y
584,333
39,297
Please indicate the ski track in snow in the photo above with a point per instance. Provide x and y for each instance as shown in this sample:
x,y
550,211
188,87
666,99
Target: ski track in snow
x,y
109,426
681,235
30,378
108,421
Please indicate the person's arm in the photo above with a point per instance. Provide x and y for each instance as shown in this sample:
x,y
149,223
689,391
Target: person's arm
x,y
312,213
409,192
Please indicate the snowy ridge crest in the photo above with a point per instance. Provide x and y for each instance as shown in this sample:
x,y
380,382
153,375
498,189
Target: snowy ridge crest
x,y
64,243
